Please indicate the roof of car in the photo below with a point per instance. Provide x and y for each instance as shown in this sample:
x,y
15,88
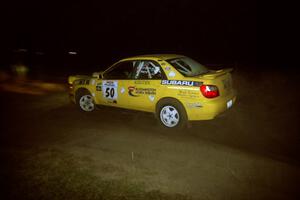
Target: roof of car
x,y
155,56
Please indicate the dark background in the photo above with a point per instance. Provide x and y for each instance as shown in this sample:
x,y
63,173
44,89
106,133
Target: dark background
x,y
250,151
102,32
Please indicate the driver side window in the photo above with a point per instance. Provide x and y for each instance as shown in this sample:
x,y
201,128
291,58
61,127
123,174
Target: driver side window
x,y
121,71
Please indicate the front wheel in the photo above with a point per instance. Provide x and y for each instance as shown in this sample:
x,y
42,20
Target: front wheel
x,y
85,102
171,114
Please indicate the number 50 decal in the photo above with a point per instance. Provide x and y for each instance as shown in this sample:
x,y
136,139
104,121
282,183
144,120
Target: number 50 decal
x,y
110,92
110,89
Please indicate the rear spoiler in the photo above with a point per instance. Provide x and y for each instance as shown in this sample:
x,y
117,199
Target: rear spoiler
x,y
215,74
226,70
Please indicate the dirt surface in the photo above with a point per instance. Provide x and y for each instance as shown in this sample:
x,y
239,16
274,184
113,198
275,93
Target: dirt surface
x,y
249,152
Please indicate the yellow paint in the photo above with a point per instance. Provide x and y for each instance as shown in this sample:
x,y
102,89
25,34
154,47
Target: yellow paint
x,y
145,100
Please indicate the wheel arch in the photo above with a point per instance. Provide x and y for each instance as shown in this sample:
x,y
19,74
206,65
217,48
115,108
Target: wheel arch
x,y
168,99
81,91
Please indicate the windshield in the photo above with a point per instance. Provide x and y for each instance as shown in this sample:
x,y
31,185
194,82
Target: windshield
x,y
187,66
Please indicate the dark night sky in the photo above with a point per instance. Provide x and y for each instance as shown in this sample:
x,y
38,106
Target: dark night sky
x,y
212,31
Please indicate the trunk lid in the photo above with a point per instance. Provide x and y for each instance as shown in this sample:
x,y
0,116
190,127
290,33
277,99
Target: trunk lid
x,y
221,78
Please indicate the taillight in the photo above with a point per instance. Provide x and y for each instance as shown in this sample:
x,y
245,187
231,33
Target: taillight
x,y
209,91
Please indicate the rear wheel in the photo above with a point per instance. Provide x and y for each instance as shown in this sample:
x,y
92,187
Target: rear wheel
x,y
171,114
85,101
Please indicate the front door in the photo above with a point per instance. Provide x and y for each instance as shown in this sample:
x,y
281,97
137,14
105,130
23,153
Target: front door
x,y
111,89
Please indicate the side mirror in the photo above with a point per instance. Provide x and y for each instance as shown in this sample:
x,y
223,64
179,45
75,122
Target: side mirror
x,y
98,75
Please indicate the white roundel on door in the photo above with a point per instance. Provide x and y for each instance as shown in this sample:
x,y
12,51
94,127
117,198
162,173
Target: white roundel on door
x,y
110,89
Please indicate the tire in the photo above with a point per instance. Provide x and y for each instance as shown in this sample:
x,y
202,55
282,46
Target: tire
x,y
171,114
85,101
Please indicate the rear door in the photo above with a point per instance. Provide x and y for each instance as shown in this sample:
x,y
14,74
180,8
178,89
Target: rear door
x,y
144,89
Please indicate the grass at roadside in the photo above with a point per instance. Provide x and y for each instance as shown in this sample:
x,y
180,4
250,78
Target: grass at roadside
x,y
53,174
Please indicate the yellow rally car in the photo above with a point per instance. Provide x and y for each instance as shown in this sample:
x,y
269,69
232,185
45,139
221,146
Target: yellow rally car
x,y
174,87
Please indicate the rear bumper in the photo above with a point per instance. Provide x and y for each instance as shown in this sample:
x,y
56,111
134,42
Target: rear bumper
x,y
211,108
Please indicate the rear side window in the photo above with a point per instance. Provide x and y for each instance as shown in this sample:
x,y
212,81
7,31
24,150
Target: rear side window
x,y
146,69
187,66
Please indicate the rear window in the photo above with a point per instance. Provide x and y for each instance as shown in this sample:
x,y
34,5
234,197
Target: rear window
x,y
187,66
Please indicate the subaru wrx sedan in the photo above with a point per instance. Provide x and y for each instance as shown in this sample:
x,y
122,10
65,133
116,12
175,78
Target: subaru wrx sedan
x,y
176,88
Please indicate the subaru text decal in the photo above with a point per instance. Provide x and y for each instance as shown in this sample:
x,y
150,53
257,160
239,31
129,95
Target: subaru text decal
x,y
182,83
